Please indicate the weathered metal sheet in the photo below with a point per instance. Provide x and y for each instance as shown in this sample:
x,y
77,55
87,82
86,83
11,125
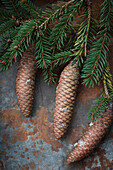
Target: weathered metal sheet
x,y
29,143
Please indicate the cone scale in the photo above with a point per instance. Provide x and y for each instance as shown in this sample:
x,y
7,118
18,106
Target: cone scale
x,y
95,133
65,98
25,82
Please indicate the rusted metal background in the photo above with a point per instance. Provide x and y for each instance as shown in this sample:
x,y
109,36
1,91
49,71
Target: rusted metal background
x,y
29,143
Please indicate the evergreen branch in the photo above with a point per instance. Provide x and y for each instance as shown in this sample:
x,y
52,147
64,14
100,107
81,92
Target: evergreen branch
x,y
30,7
58,35
12,5
6,26
107,81
61,29
43,49
19,44
99,54
97,57
49,76
85,33
101,104
99,107
61,58
106,89
4,15
25,30
57,13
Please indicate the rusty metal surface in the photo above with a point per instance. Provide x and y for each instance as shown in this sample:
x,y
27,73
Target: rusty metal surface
x,y
29,143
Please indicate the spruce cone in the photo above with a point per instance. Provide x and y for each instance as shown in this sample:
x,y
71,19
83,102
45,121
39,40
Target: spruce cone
x,y
25,82
65,97
96,131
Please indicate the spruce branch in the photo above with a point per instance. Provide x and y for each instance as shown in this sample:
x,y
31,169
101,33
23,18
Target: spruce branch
x,y
49,76
82,37
60,11
31,8
107,81
5,15
97,57
100,105
61,58
12,5
43,48
19,44
85,35
61,29
4,27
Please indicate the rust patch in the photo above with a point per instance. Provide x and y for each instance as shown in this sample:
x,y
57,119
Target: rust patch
x,y
32,165
5,137
13,101
85,94
44,129
26,149
6,157
12,157
41,148
3,153
39,161
19,135
36,153
4,81
8,146
29,126
25,167
15,151
22,156
34,145
12,118
103,162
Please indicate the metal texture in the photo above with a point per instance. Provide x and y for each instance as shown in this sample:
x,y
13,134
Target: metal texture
x,y
29,143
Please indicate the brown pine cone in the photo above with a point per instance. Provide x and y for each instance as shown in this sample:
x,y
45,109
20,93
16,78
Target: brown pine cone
x,y
96,131
65,97
25,82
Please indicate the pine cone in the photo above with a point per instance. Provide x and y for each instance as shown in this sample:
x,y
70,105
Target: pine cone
x,y
65,97
25,82
96,131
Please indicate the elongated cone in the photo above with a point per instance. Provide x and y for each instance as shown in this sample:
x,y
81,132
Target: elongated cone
x,y
96,131
25,82
65,97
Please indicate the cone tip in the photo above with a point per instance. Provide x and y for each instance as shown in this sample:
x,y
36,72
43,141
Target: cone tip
x,y
57,136
69,161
